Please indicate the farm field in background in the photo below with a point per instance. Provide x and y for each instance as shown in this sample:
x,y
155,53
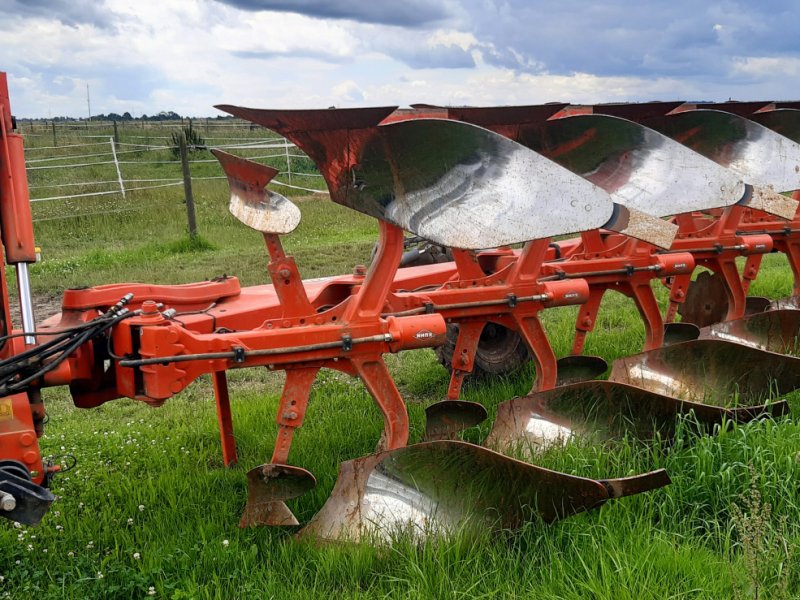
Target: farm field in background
x,y
149,511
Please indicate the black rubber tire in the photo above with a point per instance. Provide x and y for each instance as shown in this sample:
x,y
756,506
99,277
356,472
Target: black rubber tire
x,y
500,351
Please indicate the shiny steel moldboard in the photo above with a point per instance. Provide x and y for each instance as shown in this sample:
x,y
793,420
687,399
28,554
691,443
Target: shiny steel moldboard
x,y
639,167
251,202
595,411
710,371
774,330
453,183
446,487
785,121
756,153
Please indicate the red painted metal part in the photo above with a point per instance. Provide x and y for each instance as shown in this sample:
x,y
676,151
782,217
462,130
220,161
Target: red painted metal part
x,y
21,415
713,238
350,336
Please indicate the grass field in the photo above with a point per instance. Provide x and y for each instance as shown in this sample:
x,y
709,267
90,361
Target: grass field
x,y
150,512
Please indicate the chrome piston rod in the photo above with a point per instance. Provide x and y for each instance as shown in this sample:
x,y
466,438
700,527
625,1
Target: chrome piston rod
x,y
26,303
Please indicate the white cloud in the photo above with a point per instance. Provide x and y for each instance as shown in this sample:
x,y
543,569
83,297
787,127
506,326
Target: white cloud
x,y
187,55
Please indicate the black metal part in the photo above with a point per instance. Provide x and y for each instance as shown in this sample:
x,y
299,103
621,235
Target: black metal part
x,y
445,419
32,500
577,367
675,333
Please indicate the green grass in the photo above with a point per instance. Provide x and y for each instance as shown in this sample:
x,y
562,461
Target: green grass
x,y
161,470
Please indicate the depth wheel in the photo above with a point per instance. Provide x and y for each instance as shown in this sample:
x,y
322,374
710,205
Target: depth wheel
x,y
501,351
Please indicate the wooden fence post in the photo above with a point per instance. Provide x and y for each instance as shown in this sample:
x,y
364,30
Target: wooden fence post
x,y
116,133
187,187
55,142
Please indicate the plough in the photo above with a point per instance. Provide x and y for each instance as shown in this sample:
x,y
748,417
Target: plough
x,y
652,190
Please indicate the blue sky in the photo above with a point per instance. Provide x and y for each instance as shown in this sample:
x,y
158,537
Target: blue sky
x,y
187,55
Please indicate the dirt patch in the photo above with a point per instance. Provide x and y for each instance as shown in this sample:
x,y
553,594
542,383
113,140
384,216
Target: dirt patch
x,y
44,306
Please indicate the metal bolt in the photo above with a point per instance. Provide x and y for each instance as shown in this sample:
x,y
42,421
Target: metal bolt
x,y
7,502
359,271
285,273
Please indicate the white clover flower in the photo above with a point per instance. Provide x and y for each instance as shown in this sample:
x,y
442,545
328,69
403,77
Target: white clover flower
x,y
130,520
151,591
136,556
70,554
99,575
225,543
141,508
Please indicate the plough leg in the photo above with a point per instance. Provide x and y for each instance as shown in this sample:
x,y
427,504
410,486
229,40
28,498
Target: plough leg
x,y
646,302
587,317
544,359
224,419
443,420
292,409
677,295
469,335
379,383
270,485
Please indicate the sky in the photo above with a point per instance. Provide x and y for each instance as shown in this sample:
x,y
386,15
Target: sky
x,y
148,56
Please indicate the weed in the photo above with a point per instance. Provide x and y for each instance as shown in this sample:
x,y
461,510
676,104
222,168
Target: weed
x,y
766,546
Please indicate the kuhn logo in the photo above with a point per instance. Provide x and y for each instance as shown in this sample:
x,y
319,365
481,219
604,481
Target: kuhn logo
x,y
424,334
680,266
569,295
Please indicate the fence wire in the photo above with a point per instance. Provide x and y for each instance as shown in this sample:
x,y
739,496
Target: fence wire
x,y
134,157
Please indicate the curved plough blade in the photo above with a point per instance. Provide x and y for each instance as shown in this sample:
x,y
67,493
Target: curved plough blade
x,y
639,167
756,304
785,121
450,182
251,202
595,411
268,488
438,177
711,371
775,331
790,303
766,160
450,487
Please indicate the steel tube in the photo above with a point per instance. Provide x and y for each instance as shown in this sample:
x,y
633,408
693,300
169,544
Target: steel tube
x,y
26,303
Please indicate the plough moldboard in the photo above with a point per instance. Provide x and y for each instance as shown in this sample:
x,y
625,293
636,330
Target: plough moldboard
x,y
650,193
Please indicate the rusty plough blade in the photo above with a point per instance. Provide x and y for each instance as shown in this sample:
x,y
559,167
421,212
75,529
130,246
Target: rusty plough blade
x,y
776,331
268,488
711,371
451,487
595,411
